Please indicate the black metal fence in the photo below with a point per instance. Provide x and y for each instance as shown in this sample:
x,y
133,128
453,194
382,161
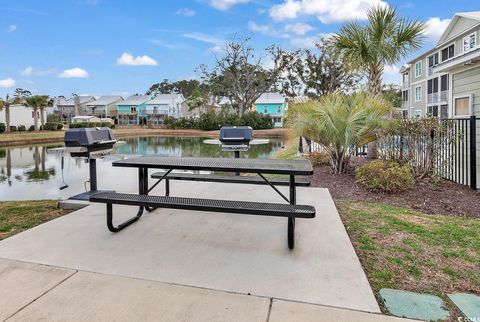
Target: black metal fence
x,y
453,152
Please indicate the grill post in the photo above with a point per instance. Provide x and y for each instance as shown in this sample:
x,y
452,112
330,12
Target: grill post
x,y
93,174
473,152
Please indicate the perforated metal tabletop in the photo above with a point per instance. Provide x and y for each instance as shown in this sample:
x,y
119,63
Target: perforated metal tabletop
x,y
265,166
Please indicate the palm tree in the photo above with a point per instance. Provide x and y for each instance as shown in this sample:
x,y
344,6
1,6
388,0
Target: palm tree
x,y
37,102
384,40
5,104
339,121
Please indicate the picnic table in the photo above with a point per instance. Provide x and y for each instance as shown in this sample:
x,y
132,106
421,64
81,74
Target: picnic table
x,y
261,167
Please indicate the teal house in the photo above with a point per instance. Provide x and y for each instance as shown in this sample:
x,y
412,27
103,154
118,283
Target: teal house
x,y
133,111
273,104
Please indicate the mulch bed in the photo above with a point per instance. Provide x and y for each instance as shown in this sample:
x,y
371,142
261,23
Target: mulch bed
x,y
444,197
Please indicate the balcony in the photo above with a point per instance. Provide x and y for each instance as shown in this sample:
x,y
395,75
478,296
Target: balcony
x,y
430,70
405,104
432,98
444,96
468,58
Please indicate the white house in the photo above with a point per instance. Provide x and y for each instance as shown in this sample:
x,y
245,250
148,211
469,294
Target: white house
x,y
21,115
65,108
164,105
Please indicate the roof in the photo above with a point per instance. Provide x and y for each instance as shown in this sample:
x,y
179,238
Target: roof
x,y
271,98
475,15
135,100
105,100
164,99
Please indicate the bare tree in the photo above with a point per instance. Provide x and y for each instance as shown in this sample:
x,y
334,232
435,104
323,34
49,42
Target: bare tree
x,y
242,76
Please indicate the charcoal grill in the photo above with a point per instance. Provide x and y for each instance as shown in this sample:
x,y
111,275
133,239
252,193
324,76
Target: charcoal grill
x,y
89,143
236,138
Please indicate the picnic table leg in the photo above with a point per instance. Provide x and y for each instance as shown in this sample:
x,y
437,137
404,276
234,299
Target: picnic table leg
x,y
291,219
145,188
142,189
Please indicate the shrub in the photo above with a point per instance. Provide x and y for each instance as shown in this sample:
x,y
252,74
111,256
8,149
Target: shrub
x,y
319,158
53,118
31,128
2,127
13,128
53,126
22,128
384,176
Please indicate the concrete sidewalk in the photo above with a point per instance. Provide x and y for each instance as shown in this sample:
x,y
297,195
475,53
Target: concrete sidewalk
x,y
31,292
231,254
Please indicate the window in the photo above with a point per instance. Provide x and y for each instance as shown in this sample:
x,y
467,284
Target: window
x,y
279,110
432,86
432,111
418,93
405,114
469,42
444,111
433,60
418,68
405,96
405,79
265,110
417,113
133,110
461,106
448,52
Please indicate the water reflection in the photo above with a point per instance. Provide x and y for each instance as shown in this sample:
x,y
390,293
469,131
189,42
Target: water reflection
x,y
32,173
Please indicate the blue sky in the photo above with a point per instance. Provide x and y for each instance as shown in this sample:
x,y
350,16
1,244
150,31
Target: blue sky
x,y
104,47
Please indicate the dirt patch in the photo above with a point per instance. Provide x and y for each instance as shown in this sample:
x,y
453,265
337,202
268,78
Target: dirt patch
x,y
444,197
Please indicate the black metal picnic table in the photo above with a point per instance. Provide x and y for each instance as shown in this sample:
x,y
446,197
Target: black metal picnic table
x,y
260,167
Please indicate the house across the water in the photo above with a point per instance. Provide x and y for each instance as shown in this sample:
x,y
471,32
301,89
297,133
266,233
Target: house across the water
x,y
273,104
104,106
132,111
164,105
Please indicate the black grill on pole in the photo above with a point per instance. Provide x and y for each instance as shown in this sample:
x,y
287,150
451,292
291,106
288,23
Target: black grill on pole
x,y
90,143
236,138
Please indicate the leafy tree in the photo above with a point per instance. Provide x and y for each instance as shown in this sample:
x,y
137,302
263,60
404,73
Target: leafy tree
x,y
339,121
38,102
384,40
195,101
242,76
20,95
184,87
319,73
393,94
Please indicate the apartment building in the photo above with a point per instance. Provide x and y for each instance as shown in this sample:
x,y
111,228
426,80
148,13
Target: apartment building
x,y
445,81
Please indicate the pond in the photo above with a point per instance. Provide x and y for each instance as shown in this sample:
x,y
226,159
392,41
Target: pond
x,y
32,173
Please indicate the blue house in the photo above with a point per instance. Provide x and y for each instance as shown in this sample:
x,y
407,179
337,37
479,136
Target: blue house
x,y
273,104
132,111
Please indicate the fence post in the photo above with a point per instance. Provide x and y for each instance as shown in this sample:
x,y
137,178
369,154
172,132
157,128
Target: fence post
x,y
473,152
300,145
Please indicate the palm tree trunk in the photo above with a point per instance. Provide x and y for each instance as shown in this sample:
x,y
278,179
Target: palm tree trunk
x,y
7,117
374,87
35,119
42,116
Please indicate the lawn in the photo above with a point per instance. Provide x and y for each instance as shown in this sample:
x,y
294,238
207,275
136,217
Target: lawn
x,y
409,250
17,216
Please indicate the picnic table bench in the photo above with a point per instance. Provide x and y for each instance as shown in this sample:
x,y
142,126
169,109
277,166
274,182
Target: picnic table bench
x,y
260,167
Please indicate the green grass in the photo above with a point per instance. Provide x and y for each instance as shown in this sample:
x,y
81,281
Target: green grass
x,y
405,249
17,216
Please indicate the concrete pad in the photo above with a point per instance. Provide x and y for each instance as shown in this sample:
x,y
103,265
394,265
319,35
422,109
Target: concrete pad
x,y
468,304
414,305
22,283
283,311
235,253
96,297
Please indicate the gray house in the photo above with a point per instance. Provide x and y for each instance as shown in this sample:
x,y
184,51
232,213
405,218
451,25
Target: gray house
x,y
104,106
445,81
65,108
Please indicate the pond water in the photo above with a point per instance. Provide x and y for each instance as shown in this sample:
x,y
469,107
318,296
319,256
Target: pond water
x,y
32,173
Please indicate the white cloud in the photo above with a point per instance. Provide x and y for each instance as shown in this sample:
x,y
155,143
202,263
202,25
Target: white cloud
x,y
435,28
27,71
226,4
299,28
327,11
128,59
7,82
74,73
186,12
11,28
266,30
391,70
30,71
218,44
304,42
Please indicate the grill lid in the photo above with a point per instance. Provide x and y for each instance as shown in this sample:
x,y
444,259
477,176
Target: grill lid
x,y
236,138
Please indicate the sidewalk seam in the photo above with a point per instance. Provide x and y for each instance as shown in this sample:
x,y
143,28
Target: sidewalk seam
x,y
269,309
41,295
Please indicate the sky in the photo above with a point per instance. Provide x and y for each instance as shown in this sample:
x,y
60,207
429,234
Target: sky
x,y
121,47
